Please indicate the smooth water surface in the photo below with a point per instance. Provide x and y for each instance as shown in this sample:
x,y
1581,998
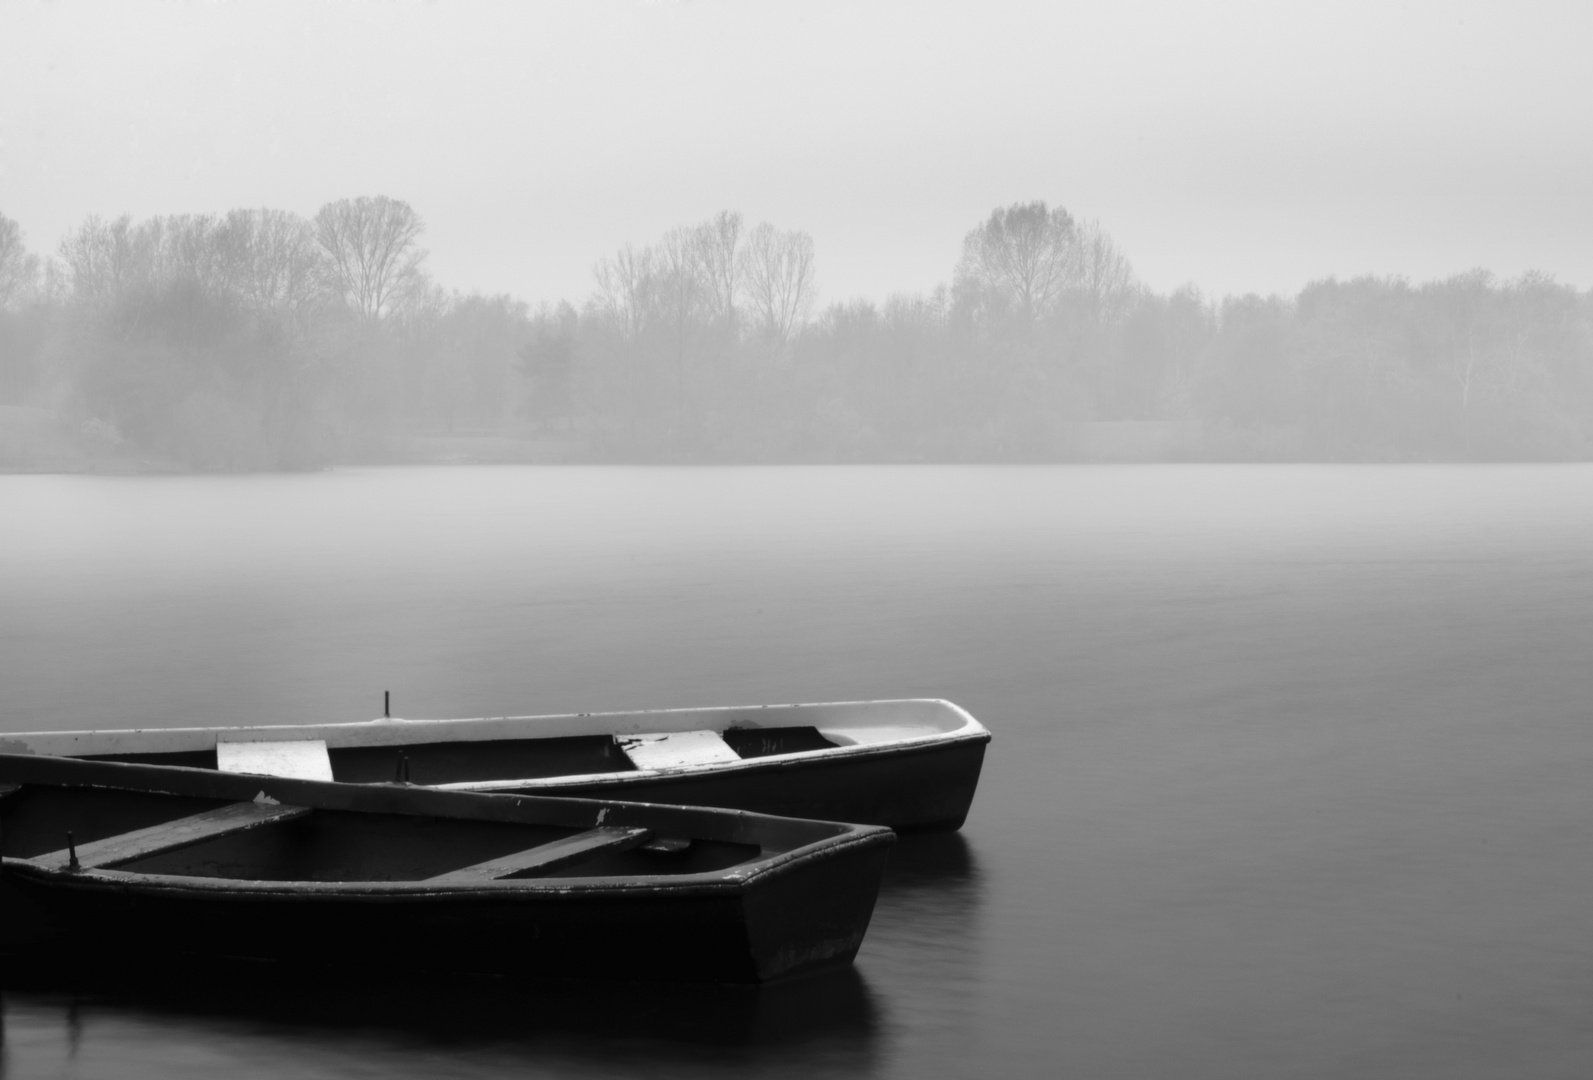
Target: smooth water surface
x,y
1290,773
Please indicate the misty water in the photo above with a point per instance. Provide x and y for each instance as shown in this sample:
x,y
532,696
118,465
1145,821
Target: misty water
x,y
1290,772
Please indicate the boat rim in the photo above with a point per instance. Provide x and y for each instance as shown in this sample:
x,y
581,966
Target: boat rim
x,y
967,729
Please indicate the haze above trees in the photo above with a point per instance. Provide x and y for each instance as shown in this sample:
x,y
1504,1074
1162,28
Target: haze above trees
x,y
260,339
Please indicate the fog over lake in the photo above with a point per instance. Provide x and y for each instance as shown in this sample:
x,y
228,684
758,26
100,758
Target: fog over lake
x,y
793,234
1289,770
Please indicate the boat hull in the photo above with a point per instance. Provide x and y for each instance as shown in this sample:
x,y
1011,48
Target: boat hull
x,y
806,919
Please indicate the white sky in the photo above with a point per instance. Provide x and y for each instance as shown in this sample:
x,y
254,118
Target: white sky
x,y
1244,147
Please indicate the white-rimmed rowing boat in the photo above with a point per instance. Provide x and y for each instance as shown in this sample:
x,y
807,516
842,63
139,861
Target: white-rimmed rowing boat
x,y
117,863
908,764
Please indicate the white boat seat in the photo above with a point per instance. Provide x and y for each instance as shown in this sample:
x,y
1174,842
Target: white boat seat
x,y
301,759
676,749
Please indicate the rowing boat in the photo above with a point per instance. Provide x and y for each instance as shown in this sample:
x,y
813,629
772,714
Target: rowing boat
x,y
907,764
146,863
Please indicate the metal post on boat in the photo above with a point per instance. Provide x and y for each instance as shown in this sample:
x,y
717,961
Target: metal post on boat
x,y
71,853
387,704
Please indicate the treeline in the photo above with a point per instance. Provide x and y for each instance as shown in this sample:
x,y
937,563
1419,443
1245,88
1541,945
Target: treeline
x,y
261,339
257,339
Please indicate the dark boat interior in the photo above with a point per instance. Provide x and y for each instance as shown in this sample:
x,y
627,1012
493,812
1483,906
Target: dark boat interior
x,y
500,759
149,833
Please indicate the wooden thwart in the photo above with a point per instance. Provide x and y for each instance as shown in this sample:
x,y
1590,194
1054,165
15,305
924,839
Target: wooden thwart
x,y
184,832
548,857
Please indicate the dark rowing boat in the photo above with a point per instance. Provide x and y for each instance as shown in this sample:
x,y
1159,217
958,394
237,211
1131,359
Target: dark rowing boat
x,y
140,863
909,764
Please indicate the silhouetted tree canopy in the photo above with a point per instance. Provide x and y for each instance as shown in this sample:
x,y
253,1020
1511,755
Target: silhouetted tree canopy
x,y
1022,259
372,252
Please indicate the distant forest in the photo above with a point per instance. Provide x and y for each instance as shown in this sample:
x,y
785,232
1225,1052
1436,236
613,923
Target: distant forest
x,y
262,340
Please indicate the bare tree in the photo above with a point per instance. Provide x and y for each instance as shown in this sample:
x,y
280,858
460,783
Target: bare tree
x,y
1105,277
719,241
18,267
626,283
189,249
273,261
101,260
684,295
1478,339
373,252
778,270
1026,253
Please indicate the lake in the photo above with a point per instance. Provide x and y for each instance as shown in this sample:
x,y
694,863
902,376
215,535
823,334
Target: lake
x,y
1290,773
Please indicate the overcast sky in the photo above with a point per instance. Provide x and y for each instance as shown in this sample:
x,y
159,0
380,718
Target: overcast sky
x,y
1244,147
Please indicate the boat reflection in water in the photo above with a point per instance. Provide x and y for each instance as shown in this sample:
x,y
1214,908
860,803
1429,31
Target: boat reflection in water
x,y
925,951
247,1015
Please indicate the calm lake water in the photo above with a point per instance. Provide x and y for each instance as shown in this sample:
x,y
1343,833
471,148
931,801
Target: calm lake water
x,y
1291,771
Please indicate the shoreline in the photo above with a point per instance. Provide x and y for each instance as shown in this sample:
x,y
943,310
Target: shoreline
x,y
37,441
